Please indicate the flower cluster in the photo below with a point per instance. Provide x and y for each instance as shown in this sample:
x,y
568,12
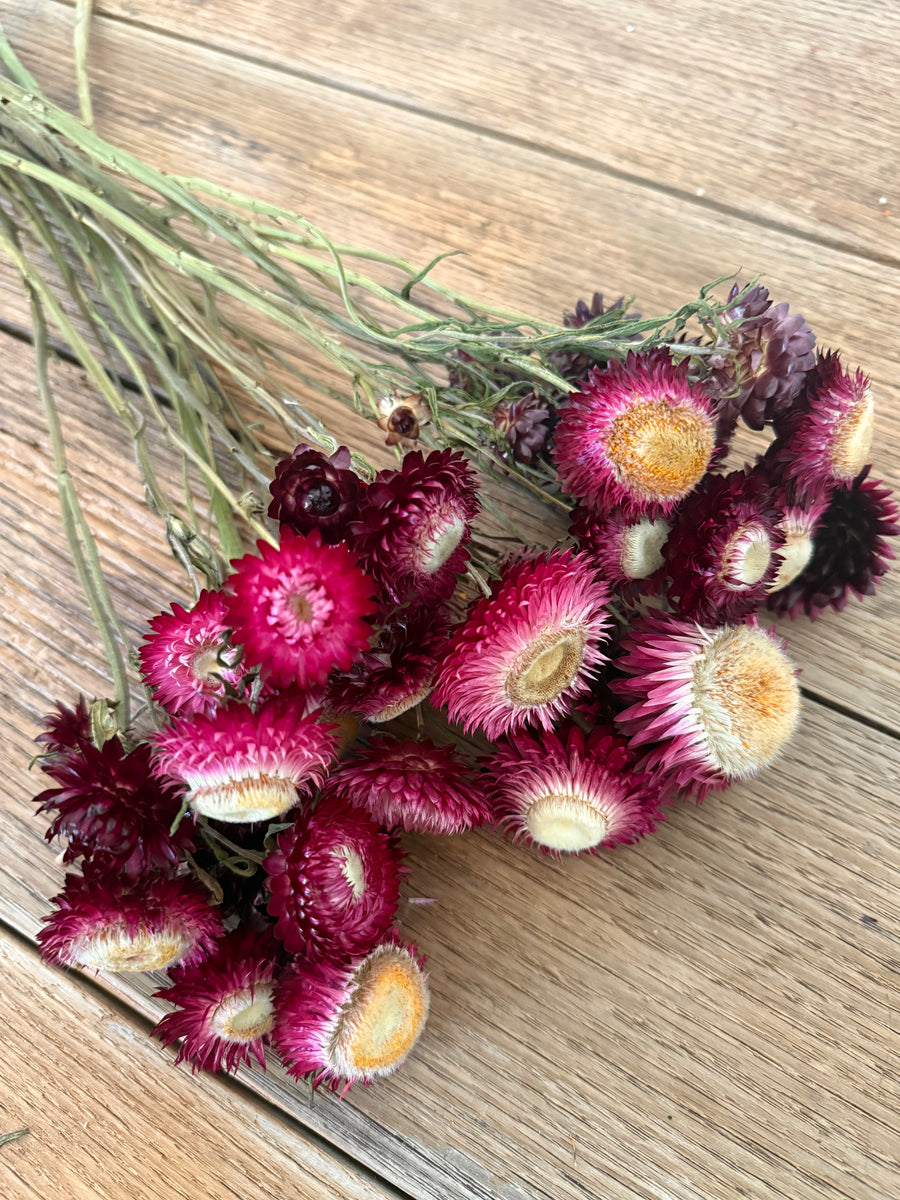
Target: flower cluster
x,y
249,845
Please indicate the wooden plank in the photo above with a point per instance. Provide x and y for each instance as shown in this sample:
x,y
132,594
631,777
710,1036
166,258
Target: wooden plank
x,y
108,1118
405,183
782,112
707,1014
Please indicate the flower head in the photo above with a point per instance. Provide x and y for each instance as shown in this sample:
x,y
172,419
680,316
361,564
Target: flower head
x,y
413,530
571,792
528,648
397,674
774,349
108,805
826,438
244,764
312,491
224,1011
849,551
415,785
334,882
298,608
628,554
187,659
351,1023
711,705
721,554
107,925
524,422
402,417
636,439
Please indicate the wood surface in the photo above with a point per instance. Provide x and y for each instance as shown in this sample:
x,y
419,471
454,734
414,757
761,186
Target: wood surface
x,y
84,1079
709,1014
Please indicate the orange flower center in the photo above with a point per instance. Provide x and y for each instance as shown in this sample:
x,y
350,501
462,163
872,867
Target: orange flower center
x,y
660,450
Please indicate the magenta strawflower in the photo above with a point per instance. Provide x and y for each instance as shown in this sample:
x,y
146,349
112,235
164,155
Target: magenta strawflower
x,y
109,806
334,882
224,1010
849,552
187,659
398,673
312,491
413,529
711,706
102,923
628,554
826,436
571,792
352,1023
524,651
721,555
636,439
298,609
245,764
415,785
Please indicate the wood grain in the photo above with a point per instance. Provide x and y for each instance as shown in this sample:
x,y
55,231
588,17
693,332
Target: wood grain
x,y
705,1015
105,1122
785,113
403,181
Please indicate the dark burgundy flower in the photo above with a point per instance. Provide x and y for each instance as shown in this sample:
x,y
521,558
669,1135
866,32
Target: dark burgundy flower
x,y
312,491
850,554
524,422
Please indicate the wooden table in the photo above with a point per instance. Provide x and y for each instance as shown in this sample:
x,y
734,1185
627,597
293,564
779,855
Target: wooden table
x,y
711,1014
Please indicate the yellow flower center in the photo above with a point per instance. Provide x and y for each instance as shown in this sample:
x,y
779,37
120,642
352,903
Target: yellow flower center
x,y
746,700
383,1018
660,451
545,668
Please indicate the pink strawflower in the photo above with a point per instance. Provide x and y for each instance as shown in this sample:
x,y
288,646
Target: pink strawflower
x,y
354,1022
188,660
398,673
414,527
416,785
636,439
334,882
572,792
826,436
224,1010
628,554
108,805
527,649
710,705
247,764
721,555
298,609
109,925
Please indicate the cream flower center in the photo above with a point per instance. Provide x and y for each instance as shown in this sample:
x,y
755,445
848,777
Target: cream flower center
x,y
438,542
117,949
659,450
745,699
383,1018
642,545
746,557
853,438
245,1014
256,797
352,870
397,707
546,667
205,665
565,822
795,553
